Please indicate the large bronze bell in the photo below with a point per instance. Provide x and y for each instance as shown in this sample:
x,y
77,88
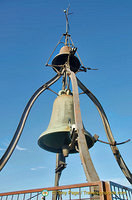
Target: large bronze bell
x,y
58,134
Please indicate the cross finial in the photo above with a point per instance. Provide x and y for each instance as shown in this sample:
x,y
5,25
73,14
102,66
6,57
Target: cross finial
x,y
67,22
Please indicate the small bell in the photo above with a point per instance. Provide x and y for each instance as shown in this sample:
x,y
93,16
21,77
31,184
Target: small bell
x,y
62,58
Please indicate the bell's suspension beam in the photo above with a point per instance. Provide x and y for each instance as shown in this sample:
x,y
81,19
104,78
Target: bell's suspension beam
x,y
21,124
87,163
108,131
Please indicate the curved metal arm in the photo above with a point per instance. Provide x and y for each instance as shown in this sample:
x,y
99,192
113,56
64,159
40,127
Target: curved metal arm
x,y
87,163
108,131
21,124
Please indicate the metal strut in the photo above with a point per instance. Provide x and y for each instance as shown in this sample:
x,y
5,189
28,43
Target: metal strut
x,y
60,166
87,163
21,124
108,131
115,143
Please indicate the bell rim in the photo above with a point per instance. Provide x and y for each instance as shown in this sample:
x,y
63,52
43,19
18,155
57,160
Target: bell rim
x,y
73,68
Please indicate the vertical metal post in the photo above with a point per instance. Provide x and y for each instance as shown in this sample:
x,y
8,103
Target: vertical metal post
x,y
30,195
79,193
119,193
18,197
70,194
59,167
107,191
24,196
126,194
37,195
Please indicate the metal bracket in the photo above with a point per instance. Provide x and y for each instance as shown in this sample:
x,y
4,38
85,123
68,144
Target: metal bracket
x,y
61,166
73,138
114,143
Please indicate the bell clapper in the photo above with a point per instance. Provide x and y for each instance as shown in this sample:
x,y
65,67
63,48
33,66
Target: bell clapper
x,y
65,150
74,136
76,148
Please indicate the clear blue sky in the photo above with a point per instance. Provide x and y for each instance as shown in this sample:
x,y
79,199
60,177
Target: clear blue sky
x,y
29,31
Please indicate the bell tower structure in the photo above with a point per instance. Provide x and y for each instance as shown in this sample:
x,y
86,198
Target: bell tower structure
x,y
66,133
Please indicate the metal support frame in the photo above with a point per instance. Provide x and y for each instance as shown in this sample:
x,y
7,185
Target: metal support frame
x,y
23,119
87,163
88,166
90,172
108,131
60,166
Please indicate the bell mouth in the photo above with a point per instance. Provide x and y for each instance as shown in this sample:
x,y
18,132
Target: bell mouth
x,y
54,142
61,59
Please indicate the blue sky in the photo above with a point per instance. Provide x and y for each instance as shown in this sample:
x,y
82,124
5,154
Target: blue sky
x,y
29,31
